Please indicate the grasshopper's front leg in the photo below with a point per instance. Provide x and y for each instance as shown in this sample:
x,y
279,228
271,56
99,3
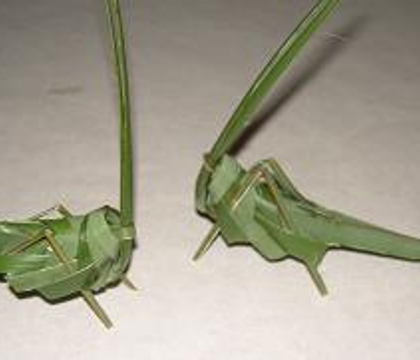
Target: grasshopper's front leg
x,y
207,242
248,182
86,293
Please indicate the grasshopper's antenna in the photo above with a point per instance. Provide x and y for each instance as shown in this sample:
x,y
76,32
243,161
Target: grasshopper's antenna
x,y
265,81
126,162
116,25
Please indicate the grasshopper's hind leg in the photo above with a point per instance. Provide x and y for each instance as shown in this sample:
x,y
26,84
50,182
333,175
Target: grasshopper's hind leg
x,y
311,254
280,177
317,279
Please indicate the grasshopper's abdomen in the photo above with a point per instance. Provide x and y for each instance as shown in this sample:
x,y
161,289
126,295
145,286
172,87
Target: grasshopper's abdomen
x,y
337,230
314,225
343,231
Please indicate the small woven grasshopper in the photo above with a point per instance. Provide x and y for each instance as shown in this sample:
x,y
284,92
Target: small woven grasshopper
x,y
78,254
261,207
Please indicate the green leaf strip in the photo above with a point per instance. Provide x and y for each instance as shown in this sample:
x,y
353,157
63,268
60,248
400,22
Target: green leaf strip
x,y
126,162
268,77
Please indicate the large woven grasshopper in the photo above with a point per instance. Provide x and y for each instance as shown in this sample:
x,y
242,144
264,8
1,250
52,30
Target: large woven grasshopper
x,y
262,208
64,255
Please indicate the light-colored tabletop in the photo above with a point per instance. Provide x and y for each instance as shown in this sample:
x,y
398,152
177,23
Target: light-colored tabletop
x,y
344,123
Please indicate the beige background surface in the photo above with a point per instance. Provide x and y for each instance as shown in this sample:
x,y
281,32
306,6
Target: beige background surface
x,y
346,128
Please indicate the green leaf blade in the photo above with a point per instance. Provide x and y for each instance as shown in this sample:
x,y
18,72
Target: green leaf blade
x,y
265,81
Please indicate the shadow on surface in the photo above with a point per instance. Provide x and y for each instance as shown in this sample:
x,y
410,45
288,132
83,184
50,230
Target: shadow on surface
x,y
321,57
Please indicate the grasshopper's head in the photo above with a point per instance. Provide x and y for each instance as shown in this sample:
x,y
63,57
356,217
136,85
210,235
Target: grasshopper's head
x,y
201,189
214,181
108,244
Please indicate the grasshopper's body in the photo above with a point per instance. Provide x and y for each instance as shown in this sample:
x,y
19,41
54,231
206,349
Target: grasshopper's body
x,y
262,208
97,252
78,254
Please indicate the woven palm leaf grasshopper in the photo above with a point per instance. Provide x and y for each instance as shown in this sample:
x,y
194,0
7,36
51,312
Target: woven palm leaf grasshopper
x,y
262,208
64,255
